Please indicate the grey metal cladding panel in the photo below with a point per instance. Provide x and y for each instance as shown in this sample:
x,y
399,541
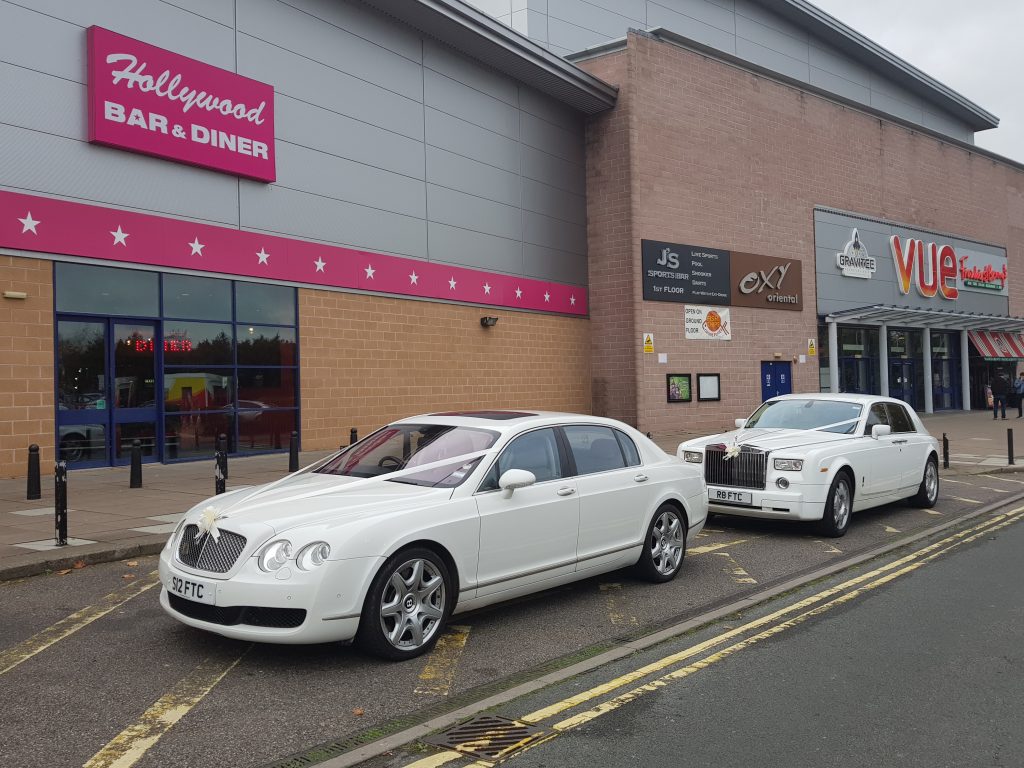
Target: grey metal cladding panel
x,y
40,102
457,209
565,35
469,140
841,87
317,128
549,264
492,7
708,34
772,60
791,45
553,171
552,233
310,81
557,141
462,173
221,11
948,126
445,61
365,22
301,33
555,112
538,25
606,23
755,10
310,217
519,21
634,10
20,33
541,198
461,101
713,14
839,64
329,176
897,107
54,165
150,21
452,245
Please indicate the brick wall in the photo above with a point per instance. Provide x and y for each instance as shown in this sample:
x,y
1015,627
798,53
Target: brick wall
x,y
726,158
26,363
367,360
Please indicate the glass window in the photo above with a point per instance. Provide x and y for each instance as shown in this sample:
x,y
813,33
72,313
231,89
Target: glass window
x,y
199,298
594,449
536,452
266,346
446,476
827,415
260,303
899,418
191,436
81,364
265,430
82,442
197,389
126,434
197,343
266,387
106,290
877,415
628,449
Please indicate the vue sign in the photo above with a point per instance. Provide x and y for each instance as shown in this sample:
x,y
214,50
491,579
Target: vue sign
x,y
932,269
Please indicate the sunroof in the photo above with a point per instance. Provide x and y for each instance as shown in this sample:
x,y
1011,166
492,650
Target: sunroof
x,y
492,415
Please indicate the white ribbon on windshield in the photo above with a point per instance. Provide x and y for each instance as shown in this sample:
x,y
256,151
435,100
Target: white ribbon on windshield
x,y
827,427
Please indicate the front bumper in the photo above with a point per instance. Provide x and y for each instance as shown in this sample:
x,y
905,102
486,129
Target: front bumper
x,y
795,503
331,597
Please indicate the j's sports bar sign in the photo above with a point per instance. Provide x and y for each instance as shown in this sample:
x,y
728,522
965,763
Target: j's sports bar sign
x,y
149,100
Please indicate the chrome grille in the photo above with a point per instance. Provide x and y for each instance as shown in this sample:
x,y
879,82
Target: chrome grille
x,y
746,470
208,554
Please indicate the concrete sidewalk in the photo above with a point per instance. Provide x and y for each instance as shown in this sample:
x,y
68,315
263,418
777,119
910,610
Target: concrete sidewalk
x,y
109,521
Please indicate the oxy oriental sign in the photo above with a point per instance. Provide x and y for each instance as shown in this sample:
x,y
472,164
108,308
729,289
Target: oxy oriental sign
x,y
149,100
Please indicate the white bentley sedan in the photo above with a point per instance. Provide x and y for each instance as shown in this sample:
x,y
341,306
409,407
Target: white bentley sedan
x,y
428,516
819,457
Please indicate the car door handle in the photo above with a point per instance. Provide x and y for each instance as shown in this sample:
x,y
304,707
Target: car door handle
x,y
898,442
566,491
641,478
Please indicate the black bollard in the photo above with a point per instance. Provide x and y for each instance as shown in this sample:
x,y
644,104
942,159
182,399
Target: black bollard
x,y
60,503
1009,446
135,475
35,490
353,436
219,484
223,440
293,453
945,451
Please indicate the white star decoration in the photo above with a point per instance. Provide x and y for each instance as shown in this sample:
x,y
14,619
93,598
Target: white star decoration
x,y
320,264
547,297
451,284
264,257
487,289
120,236
519,293
197,247
572,300
28,224
369,271
414,279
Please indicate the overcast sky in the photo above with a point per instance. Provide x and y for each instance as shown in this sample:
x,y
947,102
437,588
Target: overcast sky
x,y
973,47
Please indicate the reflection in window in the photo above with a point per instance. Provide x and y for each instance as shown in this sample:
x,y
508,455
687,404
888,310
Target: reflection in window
x,y
199,298
595,449
81,364
195,435
82,442
197,343
266,387
106,290
259,345
261,303
265,430
198,389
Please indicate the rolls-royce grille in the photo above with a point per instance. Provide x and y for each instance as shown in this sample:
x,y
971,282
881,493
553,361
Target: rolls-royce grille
x,y
745,470
253,615
209,554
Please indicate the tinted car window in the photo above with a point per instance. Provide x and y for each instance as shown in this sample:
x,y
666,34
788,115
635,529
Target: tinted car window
x,y
628,449
877,415
536,452
594,449
899,418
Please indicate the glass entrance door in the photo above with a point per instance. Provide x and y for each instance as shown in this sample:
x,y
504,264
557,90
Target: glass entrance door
x,y
106,390
901,381
945,384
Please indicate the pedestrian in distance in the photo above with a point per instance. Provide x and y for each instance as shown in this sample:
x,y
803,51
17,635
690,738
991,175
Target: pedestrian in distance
x,y
1018,387
1000,388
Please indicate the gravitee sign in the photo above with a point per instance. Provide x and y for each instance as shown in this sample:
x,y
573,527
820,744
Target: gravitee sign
x,y
766,282
684,273
149,100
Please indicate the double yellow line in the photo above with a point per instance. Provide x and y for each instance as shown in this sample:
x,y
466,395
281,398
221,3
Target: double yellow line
x,y
762,629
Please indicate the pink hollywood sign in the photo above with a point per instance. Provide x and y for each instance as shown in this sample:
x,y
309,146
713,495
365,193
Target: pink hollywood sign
x,y
145,99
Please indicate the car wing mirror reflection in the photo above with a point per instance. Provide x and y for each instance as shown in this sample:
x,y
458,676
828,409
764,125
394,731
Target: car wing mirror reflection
x,y
515,478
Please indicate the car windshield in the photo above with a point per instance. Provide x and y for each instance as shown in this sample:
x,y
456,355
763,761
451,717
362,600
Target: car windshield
x,y
399,446
822,415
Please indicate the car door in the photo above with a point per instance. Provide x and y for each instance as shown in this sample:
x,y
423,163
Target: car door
x,y
912,444
530,534
613,491
883,470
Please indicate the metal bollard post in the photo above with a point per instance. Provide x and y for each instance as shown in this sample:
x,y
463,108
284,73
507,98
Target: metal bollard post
x,y
353,436
1009,446
219,484
34,490
224,449
135,475
293,453
60,503
945,451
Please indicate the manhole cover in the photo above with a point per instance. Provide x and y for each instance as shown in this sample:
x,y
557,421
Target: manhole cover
x,y
487,737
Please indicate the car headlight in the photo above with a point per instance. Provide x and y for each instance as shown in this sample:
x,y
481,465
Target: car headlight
x,y
274,555
312,555
694,457
789,465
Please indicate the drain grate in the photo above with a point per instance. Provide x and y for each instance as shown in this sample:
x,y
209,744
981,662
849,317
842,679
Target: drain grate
x,y
487,736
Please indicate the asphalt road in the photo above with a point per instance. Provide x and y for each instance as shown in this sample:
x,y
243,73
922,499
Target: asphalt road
x,y
93,672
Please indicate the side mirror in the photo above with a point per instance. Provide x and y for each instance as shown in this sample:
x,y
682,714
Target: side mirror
x,y
880,430
741,423
515,478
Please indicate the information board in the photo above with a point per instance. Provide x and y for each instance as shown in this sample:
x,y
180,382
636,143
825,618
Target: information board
x,y
684,273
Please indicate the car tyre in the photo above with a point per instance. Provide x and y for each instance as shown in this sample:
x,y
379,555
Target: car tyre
x,y
838,507
664,546
928,492
407,606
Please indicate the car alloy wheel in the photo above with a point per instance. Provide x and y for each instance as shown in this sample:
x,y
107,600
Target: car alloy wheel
x,y
928,492
665,545
838,507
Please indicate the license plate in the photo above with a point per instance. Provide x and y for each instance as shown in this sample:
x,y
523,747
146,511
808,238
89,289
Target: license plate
x,y
197,590
731,497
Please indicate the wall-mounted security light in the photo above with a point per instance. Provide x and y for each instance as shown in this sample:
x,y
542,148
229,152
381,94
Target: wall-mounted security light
x,y
489,321
23,295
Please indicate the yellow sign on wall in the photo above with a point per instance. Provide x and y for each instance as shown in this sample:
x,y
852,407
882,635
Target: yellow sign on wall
x,y
812,348
648,343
